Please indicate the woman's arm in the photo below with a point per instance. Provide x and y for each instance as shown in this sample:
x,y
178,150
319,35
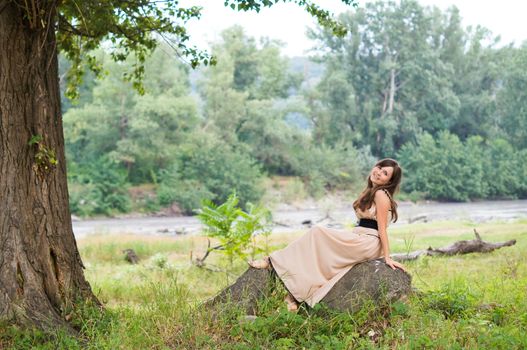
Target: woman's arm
x,y
382,204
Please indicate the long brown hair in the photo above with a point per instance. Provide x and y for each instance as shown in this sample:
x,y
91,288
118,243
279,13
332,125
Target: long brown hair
x,y
367,196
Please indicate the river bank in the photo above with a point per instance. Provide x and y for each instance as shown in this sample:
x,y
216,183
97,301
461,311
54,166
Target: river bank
x,y
288,217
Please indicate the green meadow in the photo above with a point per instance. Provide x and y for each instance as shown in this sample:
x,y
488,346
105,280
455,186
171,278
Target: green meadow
x,y
475,301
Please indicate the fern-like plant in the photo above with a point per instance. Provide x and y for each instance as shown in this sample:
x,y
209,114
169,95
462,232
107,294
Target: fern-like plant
x,y
232,227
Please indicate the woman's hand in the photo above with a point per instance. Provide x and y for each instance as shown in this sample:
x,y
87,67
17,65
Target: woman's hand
x,y
394,264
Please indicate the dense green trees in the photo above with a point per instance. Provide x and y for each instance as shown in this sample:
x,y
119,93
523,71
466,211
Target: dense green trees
x,y
209,168
404,69
407,81
122,132
204,146
141,131
410,81
245,99
383,80
445,168
511,99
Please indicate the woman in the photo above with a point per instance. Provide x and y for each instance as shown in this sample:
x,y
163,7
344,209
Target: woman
x,y
311,265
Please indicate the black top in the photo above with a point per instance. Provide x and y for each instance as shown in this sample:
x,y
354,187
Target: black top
x,y
369,223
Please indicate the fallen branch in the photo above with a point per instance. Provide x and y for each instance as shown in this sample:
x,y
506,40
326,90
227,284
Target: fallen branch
x,y
423,218
200,262
460,247
281,224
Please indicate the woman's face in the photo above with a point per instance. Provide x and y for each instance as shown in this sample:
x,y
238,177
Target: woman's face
x,y
381,175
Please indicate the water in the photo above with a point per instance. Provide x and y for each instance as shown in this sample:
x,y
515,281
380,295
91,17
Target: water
x,y
289,220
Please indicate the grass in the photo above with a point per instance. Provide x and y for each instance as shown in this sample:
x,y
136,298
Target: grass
x,y
475,301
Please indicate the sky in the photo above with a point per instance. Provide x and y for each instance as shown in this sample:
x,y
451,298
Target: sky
x,y
288,22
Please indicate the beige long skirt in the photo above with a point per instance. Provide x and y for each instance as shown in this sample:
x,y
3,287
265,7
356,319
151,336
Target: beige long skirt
x,y
312,264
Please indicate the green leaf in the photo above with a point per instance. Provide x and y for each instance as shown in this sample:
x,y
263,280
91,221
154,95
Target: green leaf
x,y
35,139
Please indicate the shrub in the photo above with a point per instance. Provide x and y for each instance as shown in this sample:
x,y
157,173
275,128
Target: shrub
x,y
232,226
451,302
100,188
187,193
159,260
206,168
325,168
447,169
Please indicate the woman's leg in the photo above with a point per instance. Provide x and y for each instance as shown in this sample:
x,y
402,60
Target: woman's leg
x,y
292,305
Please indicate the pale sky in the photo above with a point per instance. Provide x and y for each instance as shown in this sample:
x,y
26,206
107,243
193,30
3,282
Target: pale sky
x,y
288,22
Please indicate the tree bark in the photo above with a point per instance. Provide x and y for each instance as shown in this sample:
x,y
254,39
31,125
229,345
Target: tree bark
x,y
41,272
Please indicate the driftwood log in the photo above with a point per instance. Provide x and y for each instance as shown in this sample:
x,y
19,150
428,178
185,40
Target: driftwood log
x,y
130,256
368,281
460,247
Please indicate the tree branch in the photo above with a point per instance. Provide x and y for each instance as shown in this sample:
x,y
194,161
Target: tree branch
x,y
200,262
70,28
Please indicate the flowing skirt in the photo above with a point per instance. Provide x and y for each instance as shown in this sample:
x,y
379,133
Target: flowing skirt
x,y
312,264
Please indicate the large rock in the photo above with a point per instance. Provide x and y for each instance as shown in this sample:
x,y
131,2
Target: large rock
x,y
369,281
245,292
365,282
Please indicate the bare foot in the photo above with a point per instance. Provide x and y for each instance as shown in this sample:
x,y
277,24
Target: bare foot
x,y
292,305
260,264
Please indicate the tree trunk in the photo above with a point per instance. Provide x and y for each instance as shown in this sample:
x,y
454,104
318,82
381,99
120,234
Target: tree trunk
x,y
41,272
392,91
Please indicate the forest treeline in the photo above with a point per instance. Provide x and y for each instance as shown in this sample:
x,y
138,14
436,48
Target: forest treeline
x,y
410,82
